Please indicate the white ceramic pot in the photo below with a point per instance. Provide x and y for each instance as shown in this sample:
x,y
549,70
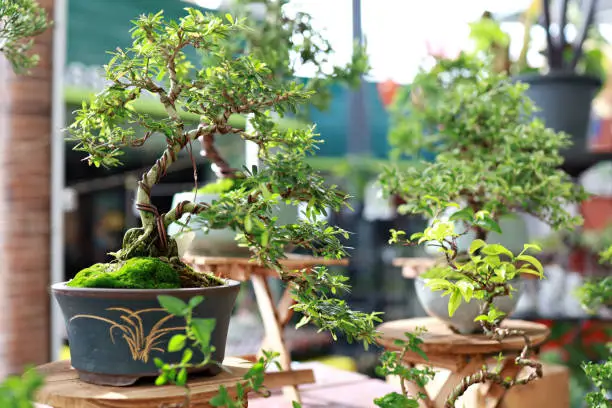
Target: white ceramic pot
x,y
514,234
214,242
436,305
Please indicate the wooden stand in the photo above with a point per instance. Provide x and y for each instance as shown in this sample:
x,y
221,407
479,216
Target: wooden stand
x,y
63,389
463,355
413,267
274,316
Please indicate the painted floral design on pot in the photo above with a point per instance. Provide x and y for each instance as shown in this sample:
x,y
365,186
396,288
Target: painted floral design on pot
x,y
130,325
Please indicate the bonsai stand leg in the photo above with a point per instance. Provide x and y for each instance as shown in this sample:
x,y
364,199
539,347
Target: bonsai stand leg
x,y
275,318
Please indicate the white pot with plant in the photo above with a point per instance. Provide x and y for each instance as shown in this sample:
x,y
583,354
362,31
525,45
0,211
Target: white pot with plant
x,y
492,159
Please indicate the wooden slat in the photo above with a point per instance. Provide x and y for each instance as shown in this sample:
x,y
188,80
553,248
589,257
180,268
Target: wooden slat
x,y
63,389
439,339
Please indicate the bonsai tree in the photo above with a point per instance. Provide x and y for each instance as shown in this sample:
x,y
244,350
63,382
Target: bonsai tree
x,y
490,155
21,20
485,274
156,65
491,160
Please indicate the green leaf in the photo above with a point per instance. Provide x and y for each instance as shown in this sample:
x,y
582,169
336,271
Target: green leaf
x,y
489,224
181,378
476,245
496,249
296,404
229,18
195,301
202,329
438,284
221,399
187,355
535,247
248,223
533,261
161,379
177,343
466,288
304,320
173,305
465,214
454,301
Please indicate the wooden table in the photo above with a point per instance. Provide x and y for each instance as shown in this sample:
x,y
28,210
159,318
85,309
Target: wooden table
x,y
274,316
463,355
334,388
63,389
413,267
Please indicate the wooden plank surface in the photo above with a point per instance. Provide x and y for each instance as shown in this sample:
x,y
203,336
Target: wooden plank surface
x,y
334,388
439,339
63,389
241,268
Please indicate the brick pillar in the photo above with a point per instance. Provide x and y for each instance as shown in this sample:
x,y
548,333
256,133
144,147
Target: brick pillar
x,y
25,158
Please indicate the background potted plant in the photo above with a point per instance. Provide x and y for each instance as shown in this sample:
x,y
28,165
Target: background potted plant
x,y
284,43
491,157
112,308
573,73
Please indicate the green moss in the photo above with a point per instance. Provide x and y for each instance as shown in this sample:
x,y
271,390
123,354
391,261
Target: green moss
x,y
135,273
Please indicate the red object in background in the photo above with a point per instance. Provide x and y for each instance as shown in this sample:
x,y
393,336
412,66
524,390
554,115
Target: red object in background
x,y
603,139
387,91
597,212
577,261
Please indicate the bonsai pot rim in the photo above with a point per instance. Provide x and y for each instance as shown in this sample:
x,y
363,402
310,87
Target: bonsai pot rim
x,y
560,76
64,289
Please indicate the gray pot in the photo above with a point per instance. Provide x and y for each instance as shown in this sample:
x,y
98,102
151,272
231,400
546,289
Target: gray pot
x,y
564,100
436,305
115,334
215,242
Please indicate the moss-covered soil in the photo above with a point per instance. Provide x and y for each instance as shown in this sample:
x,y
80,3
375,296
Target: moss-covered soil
x,y
142,273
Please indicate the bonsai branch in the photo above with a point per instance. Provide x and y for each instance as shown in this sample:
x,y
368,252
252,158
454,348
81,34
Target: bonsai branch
x,y
498,334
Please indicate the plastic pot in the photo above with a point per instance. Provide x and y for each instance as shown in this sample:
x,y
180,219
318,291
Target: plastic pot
x,y
564,100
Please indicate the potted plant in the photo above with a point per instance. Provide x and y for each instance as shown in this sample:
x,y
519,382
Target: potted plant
x,y
573,73
492,159
115,325
283,43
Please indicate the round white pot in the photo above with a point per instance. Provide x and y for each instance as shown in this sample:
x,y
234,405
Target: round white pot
x,y
514,234
436,305
214,242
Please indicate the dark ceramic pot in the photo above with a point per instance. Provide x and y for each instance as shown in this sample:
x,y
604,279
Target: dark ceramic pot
x,y
115,334
564,100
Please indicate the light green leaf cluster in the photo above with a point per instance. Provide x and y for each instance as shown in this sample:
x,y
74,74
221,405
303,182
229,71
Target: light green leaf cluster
x,y
21,20
20,391
391,364
490,154
484,273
